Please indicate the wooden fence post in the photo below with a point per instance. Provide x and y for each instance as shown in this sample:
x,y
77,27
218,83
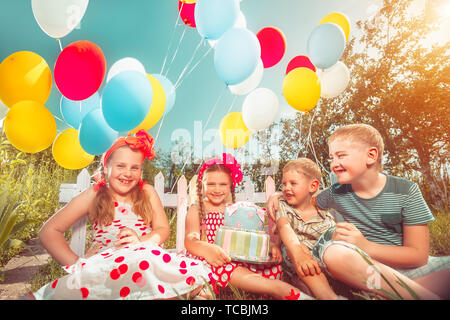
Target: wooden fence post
x,y
182,204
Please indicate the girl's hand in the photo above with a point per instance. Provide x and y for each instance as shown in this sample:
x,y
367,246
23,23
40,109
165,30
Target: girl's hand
x,y
347,232
93,250
216,256
126,237
275,252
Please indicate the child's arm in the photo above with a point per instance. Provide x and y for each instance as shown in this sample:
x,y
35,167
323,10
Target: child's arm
x,y
413,253
299,254
160,225
213,254
51,234
272,205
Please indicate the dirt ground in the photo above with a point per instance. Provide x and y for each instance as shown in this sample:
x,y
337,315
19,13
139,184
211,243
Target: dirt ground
x,y
20,270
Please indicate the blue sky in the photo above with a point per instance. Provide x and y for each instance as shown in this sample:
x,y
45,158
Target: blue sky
x,y
143,29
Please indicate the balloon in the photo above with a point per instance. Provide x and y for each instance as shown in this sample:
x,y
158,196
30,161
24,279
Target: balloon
x,y
186,11
241,22
79,70
24,75
3,110
300,61
74,111
68,152
188,1
57,18
273,45
334,80
124,65
236,56
157,107
126,100
233,131
250,83
325,45
214,17
301,88
340,19
95,135
169,91
30,126
260,109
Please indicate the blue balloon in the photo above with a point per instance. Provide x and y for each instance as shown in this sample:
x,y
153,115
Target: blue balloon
x,y
236,55
214,17
325,45
95,136
74,111
169,91
126,100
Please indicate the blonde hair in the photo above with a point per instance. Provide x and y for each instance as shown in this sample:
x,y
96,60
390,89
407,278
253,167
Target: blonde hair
x,y
102,208
361,133
305,166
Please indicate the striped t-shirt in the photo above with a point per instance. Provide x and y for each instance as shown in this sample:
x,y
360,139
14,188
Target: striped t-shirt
x,y
380,219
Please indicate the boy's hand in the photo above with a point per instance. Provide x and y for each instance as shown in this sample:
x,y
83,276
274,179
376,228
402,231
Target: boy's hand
x,y
216,256
347,232
305,265
272,206
275,252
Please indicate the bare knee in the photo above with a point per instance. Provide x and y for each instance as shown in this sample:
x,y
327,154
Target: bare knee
x,y
337,256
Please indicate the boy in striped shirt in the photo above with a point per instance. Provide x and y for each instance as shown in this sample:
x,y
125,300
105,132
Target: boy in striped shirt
x,y
385,218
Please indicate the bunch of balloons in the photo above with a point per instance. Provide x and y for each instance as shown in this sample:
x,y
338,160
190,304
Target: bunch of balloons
x,y
320,74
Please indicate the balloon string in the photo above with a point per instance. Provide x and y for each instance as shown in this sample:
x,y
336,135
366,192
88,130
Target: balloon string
x,y
60,46
188,64
171,39
176,51
193,68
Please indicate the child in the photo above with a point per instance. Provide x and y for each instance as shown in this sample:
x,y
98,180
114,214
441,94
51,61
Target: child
x,y
216,182
300,224
129,224
386,220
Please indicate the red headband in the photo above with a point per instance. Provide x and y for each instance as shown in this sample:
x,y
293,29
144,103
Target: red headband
x,y
229,162
140,141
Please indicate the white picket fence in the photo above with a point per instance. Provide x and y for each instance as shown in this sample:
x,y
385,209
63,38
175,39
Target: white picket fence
x,y
179,200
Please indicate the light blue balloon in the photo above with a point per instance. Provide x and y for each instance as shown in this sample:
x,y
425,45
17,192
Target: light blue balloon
x,y
126,100
74,111
169,91
94,134
214,17
325,45
236,55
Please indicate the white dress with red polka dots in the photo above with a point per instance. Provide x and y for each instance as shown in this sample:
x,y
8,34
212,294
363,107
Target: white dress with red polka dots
x,y
139,271
221,275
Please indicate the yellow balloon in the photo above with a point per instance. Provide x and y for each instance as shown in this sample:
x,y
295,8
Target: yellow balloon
x,y
233,131
24,75
301,88
68,152
188,1
340,19
29,126
156,109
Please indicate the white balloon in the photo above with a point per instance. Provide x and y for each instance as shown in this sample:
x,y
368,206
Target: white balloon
x,y
250,83
260,109
241,22
124,65
333,80
57,18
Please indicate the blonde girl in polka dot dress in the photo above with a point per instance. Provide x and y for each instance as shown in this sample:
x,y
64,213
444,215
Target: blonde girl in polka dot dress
x,y
215,186
126,260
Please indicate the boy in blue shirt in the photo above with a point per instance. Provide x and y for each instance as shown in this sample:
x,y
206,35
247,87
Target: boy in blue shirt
x,y
385,218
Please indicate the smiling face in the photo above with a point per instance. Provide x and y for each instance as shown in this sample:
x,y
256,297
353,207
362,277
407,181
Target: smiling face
x,y
298,188
349,160
217,186
123,169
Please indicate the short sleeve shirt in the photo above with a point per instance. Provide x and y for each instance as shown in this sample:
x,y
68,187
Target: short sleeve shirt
x,y
308,232
381,218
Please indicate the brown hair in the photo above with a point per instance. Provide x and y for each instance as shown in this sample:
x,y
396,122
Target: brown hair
x,y
102,208
212,168
306,166
362,133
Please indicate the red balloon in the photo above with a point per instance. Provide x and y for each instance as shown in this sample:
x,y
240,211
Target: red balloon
x,y
298,62
273,45
80,70
187,13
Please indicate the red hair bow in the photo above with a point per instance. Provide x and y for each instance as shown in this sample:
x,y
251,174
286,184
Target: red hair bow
x,y
229,162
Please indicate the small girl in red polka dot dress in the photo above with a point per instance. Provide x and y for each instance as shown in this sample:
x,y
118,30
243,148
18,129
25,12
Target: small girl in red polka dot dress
x,y
215,186
126,260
